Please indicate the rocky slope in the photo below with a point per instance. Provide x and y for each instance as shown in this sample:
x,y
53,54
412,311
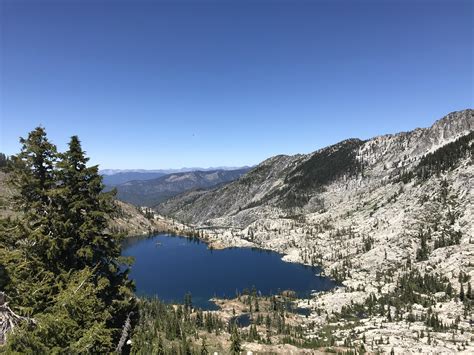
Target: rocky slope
x,y
135,221
392,218
151,192
299,183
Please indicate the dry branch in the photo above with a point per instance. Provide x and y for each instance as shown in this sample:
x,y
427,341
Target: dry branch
x,y
8,319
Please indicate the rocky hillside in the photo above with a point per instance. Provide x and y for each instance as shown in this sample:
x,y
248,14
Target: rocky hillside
x,y
391,218
134,221
298,184
151,192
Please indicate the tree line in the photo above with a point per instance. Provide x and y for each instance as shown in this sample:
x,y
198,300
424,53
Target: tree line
x,y
441,160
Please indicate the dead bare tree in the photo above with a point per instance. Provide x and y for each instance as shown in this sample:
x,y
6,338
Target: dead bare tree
x,y
9,319
125,332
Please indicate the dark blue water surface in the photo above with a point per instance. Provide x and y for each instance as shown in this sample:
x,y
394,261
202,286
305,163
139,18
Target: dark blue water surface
x,y
169,267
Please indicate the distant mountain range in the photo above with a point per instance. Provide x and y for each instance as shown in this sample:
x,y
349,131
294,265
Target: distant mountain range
x,y
118,178
150,192
113,177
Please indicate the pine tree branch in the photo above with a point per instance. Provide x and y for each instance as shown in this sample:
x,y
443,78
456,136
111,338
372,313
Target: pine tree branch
x,y
83,281
80,285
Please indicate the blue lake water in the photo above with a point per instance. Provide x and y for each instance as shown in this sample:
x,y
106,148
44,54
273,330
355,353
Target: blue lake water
x,y
170,266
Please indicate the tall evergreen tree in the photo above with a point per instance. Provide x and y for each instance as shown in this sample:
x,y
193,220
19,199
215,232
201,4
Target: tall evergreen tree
x,y
33,177
33,173
83,211
28,247
83,219
60,265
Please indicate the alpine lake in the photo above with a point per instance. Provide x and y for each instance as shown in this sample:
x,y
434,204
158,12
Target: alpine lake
x,y
168,267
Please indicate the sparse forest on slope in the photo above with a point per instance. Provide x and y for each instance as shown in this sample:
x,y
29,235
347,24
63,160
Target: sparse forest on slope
x,y
442,159
326,166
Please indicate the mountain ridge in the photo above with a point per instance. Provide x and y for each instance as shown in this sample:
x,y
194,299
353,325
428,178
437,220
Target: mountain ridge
x,y
168,171
371,152
394,224
114,177
151,192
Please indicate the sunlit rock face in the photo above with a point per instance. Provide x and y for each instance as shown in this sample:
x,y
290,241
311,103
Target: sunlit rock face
x,y
285,185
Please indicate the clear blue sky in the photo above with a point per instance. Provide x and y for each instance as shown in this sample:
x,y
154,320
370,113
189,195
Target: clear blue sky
x,y
167,84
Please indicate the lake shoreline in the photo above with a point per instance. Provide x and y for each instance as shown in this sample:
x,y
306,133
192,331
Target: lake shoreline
x,y
241,267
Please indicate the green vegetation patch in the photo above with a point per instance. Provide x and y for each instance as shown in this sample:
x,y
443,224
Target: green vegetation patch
x,y
326,166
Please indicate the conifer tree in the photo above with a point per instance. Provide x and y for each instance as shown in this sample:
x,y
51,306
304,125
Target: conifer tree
x,y
33,177
76,321
257,307
34,173
59,264
235,345
27,247
84,210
